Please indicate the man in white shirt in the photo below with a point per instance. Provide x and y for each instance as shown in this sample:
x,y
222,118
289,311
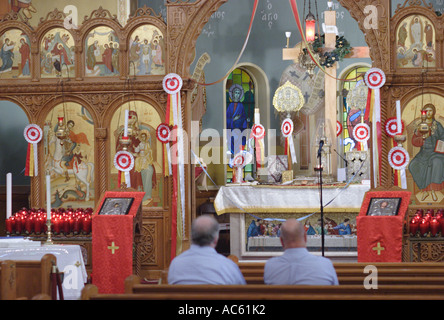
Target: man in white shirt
x,y
201,264
297,265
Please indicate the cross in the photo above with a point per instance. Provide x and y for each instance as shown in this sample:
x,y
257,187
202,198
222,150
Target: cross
x,y
113,248
378,248
330,81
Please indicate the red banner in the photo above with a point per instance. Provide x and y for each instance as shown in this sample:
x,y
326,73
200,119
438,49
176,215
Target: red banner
x,y
112,247
112,243
380,237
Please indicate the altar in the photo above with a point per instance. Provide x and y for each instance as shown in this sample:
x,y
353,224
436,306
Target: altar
x,y
69,261
266,206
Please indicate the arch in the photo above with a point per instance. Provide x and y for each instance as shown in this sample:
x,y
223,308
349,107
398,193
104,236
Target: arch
x,y
261,97
147,174
70,159
13,144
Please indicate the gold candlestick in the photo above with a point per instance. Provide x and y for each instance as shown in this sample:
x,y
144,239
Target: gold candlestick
x,y
48,233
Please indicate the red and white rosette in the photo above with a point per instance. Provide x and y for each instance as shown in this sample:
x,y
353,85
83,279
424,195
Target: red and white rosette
x,y
33,135
172,84
258,133
124,162
374,79
239,160
338,128
287,128
398,159
391,127
361,132
163,134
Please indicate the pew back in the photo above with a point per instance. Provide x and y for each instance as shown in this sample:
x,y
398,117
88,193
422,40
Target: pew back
x,y
29,278
8,289
267,292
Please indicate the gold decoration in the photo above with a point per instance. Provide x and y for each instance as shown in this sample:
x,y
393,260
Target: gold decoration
x,y
288,98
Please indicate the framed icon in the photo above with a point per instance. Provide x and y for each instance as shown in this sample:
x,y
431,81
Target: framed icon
x,y
116,206
383,206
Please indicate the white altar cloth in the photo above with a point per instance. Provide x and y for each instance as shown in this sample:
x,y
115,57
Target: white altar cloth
x,y
69,260
291,199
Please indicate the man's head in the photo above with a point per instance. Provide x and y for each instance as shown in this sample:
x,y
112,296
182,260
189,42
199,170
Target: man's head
x,y
293,234
205,231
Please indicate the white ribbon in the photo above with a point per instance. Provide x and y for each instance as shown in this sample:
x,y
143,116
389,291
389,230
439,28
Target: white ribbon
x,y
172,83
292,150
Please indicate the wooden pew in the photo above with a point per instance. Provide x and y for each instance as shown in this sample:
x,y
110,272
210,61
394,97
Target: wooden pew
x,y
353,273
8,290
267,292
29,278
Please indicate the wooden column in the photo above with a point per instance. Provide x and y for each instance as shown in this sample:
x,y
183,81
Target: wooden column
x,y
330,91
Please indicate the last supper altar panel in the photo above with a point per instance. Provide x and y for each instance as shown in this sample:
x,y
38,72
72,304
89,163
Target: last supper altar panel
x,y
256,213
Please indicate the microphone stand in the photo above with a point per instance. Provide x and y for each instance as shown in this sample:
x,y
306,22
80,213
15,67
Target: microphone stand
x,y
322,204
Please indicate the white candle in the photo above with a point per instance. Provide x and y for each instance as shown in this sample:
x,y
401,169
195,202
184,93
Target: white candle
x,y
8,195
398,116
257,116
125,132
48,197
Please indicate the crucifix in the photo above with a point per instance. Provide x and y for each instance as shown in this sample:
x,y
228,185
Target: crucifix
x,y
330,115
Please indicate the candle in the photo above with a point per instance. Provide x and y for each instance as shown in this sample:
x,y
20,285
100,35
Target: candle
x,y
8,195
48,197
257,117
125,132
398,116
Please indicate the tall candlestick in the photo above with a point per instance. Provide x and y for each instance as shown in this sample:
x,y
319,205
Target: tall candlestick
x,y
125,132
8,195
48,197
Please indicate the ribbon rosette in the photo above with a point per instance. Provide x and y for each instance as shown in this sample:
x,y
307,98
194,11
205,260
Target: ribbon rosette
x,y
258,133
124,162
391,127
172,84
338,128
163,134
287,131
33,134
374,79
398,159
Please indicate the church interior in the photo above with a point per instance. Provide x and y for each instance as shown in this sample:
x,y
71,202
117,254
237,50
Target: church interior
x,y
123,121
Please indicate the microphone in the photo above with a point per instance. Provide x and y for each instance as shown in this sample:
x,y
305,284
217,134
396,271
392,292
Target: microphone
x,y
321,144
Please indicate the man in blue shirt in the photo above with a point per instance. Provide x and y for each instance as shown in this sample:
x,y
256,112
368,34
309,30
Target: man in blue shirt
x,y
297,265
201,264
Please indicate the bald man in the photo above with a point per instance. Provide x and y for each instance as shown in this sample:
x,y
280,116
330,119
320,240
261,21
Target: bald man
x,y
297,265
201,264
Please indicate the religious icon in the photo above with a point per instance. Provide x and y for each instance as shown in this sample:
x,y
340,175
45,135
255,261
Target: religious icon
x,y
427,166
236,119
15,55
57,54
147,51
102,53
146,175
384,206
70,160
116,206
416,43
